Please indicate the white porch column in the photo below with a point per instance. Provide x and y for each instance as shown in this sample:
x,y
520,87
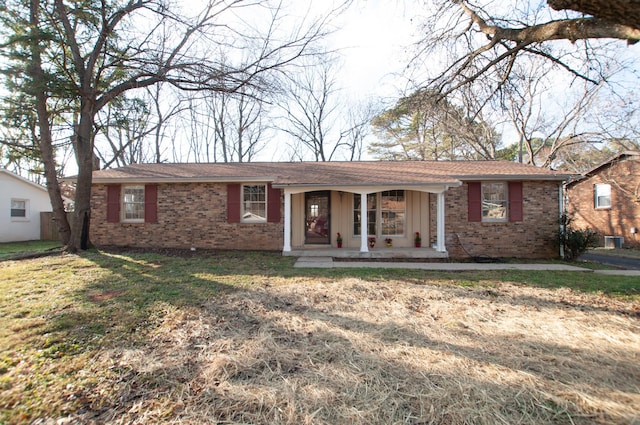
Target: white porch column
x,y
364,223
287,221
440,224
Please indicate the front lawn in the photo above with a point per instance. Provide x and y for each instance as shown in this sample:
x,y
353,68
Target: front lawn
x,y
15,249
228,337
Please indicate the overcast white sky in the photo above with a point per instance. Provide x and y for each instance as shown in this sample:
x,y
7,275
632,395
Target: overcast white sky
x,y
373,38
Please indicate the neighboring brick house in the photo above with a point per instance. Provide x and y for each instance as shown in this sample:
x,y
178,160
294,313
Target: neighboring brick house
x,y
460,208
607,200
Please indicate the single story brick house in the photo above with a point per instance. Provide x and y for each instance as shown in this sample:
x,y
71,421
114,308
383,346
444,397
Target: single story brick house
x,y
459,208
607,200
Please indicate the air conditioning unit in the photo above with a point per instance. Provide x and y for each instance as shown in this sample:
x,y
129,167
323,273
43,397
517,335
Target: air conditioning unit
x,y
612,242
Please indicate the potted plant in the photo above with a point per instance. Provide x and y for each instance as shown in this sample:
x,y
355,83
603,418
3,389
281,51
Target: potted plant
x,y
339,240
372,242
417,240
389,242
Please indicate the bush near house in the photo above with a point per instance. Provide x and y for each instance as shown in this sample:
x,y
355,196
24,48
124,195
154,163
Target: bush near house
x,y
575,241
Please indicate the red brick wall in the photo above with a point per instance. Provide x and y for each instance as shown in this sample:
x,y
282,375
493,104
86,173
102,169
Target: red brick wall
x,y
195,215
624,214
189,215
533,237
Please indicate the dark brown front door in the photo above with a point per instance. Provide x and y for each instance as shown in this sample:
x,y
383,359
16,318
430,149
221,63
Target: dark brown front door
x,y
317,229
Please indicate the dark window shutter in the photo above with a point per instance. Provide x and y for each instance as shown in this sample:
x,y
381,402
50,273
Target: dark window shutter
x,y
113,203
515,201
233,203
274,202
151,203
474,198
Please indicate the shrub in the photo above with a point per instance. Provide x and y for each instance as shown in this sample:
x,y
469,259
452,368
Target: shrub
x,y
575,241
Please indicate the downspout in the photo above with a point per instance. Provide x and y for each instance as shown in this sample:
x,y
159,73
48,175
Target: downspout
x,y
561,209
440,226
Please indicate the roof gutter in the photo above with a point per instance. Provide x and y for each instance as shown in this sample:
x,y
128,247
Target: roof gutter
x,y
140,180
516,177
453,183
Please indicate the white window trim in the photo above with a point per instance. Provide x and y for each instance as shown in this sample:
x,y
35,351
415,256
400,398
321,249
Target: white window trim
x,y
123,212
266,204
27,215
404,211
378,211
595,196
506,213
353,209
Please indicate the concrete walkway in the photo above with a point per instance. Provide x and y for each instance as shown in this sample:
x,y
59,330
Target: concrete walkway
x,y
327,263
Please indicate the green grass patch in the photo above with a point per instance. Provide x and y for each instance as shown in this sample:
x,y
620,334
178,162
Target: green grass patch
x,y
15,249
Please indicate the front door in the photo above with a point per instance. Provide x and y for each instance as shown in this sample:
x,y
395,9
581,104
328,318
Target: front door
x,y
317,230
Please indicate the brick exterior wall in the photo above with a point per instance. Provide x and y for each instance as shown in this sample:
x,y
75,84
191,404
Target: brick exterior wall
x,y
189,215
534,237
195,215
624,177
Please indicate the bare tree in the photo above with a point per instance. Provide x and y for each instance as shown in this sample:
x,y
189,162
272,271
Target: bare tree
x,y
613,13
312,111
547,124
225,127
618,120
123,126
165,108
96,52
358,122
239,124
481,43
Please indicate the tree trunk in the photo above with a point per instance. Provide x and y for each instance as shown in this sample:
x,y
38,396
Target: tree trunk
x,y
84,156
39,91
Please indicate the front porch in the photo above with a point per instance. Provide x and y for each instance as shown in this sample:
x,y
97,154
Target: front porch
x,y
315,216
381,253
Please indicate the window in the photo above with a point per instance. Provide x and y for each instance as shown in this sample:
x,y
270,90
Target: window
x,y
392,210
133,203
387,208
602,195
494,201
371,214
19,209
254,203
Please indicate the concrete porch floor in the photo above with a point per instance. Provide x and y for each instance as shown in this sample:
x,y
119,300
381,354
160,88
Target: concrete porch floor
x,y
378,252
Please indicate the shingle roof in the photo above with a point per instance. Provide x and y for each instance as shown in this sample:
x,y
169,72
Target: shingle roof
x,y
597,168
360,173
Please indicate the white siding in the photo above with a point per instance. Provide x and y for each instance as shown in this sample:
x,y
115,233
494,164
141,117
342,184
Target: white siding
x,y
21,229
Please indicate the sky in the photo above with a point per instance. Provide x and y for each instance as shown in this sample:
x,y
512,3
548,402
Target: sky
x,y
373,40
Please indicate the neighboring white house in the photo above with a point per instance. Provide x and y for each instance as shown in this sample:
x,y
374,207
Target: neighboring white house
x,y
21,202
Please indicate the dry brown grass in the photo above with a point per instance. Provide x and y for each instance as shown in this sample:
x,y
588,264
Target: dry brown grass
x,y
349,351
